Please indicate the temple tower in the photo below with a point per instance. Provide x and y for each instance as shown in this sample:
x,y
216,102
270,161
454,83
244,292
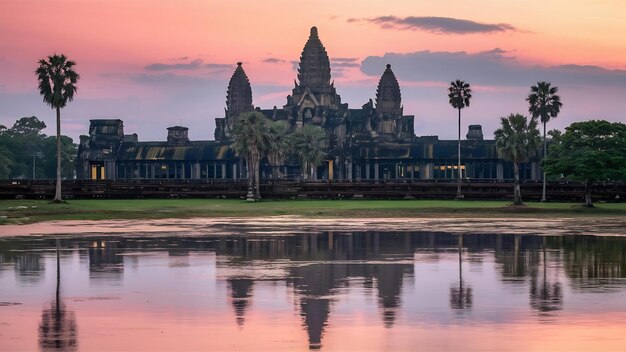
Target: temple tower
x,y
238,101
388,109
314,98
314,69
388,97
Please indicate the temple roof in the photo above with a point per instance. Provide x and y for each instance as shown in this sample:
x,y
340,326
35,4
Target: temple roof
x,y
239,94
388,97
314,69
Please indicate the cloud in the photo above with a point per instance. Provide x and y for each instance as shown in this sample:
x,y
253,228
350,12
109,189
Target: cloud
x,y
346,62
495,67
273,60
437,25
195,64
184,66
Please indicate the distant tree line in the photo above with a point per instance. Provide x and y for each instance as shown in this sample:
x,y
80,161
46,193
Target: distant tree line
x,y
25,141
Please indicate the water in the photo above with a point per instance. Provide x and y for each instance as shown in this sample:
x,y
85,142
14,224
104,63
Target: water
x,y
329,290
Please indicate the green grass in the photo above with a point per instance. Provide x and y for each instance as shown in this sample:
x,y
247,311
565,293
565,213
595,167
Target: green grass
x,y
98,209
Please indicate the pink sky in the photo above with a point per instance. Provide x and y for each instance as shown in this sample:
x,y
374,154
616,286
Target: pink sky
x,y
198,42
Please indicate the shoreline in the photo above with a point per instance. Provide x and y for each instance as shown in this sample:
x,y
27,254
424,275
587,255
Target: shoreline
x,y
293,224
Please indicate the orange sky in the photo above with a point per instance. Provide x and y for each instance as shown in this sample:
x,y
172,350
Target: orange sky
x,y
114,40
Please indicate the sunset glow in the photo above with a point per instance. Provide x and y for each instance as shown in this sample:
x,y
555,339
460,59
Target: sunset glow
x,y
116,45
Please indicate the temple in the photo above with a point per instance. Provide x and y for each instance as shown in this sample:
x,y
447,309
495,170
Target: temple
x,y
373,142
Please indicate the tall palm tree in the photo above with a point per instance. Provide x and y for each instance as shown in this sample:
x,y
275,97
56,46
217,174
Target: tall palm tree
x,y
278,146
57,85
459,94
308,145
544,104
250,141
517,140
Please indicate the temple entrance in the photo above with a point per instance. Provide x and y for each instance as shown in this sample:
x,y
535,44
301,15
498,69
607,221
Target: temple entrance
x,y
97,171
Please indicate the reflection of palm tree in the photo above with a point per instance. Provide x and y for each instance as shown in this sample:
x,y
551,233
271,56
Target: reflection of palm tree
x,y
548,296
58,325
461,297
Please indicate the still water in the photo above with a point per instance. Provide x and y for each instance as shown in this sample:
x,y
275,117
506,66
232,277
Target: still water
x,y
329,290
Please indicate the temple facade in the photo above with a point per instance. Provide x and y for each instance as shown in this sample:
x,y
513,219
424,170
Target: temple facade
x,y
373,142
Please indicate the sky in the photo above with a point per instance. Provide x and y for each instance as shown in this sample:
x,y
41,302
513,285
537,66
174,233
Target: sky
x,y
160,63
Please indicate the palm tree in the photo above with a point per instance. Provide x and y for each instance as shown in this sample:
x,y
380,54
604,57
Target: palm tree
x,y
58,328
250,141
277,149
461,297
308,145
459,94
517,140
544,104
57,85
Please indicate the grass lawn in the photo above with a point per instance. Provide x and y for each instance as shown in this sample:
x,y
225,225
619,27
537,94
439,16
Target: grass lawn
x,y
28,211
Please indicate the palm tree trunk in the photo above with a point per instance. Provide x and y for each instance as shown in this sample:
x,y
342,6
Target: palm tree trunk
x,y
545,152
57,192
257,192
588,201
459,195
58,291
517,193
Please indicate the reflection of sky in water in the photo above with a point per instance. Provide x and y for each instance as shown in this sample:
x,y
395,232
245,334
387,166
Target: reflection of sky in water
x,y
367,290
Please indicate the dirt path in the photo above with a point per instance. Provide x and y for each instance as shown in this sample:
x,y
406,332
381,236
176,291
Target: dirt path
x,y
296,224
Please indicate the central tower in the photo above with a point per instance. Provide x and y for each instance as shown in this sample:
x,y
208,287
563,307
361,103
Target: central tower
x,y
314,98
314,68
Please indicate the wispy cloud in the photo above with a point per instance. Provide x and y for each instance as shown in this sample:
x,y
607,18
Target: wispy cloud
x,y
186,66
273,60
437,25
345,62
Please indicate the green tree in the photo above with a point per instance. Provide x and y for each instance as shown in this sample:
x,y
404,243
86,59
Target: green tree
x,y
517,140
251,140
23,140
590,151
5,162
57,84
308,143
544,104
459,94
68,155
278,145
27,126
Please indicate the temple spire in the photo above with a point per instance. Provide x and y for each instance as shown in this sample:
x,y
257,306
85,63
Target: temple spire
x,y
388,97
239,94
314,69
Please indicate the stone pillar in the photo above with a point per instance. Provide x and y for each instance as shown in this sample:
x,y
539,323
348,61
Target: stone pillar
x,y
235,171
223,170
367,170
499,171
375,171
349,171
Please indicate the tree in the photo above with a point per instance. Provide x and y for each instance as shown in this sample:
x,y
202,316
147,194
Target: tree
x,y
250,141
517,140
5,162
57,84
278,145
459,94
544,104
308,145
27,126
590,151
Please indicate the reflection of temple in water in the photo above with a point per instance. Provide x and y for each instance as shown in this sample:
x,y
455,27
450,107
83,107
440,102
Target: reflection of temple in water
x,y
105,263
240,294
318,266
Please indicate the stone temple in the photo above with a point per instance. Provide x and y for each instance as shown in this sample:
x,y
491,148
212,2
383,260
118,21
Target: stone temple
x,y
373,142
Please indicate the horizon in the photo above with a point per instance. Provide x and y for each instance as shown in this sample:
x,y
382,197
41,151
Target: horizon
x,y
156,65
